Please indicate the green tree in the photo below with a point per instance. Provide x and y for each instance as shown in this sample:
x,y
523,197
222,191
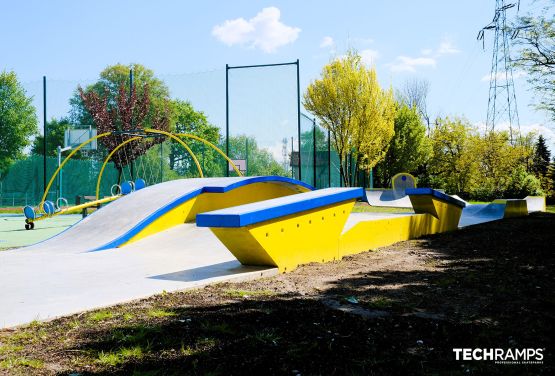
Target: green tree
x,y
111,79
18,120
542,158
409,149
259,161
349,102
187,120
55,137
497,159
454,164
535,40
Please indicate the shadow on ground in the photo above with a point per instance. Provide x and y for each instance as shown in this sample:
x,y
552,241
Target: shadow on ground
x,y
487,286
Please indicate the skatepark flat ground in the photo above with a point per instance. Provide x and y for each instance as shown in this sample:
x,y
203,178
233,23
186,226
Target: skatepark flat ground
x,y
78,281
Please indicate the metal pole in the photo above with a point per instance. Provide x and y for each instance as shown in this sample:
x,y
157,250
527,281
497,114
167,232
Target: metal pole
x,y
130,90
247,156
227,117
299,115
59,149
329,158
44,131
161,162
291,160
314,149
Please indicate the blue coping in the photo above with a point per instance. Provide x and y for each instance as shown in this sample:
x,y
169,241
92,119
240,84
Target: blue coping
x,y
437,194
257,212
122,239
256,179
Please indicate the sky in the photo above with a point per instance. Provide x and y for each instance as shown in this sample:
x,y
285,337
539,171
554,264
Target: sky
x,y
188,44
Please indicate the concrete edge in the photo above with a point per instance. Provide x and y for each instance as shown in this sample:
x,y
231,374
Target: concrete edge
x,y
243,277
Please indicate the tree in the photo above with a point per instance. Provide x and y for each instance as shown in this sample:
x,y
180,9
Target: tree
x,y
409,149
415,94
541,159
128,114
187,120
112,78
535,39
259,161
55,137
454,163
18,120
349,102
497,159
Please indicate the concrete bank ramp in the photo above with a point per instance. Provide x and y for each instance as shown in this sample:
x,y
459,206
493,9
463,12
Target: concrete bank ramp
x,y
162,206
387,198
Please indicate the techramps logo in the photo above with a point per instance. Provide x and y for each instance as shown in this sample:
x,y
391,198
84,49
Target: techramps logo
x,y
501,356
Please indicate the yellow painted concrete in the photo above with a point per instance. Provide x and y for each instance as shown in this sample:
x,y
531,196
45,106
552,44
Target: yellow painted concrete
x,y
287,242
432,216
205,202
513,207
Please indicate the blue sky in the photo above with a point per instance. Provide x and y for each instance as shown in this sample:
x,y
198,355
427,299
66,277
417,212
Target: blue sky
x,y
188,44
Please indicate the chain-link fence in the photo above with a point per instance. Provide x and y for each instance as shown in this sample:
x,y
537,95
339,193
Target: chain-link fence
x,y
261,118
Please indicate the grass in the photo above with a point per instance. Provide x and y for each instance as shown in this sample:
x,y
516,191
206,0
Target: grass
x,y
100,316
9,348
18,362
550,209
379,209
158,313
115,358
267,336
380,302
247,294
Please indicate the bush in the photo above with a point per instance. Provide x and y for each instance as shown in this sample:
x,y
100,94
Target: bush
x,y
523,184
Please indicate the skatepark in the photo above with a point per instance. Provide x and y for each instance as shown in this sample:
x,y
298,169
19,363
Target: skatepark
x,y
189,233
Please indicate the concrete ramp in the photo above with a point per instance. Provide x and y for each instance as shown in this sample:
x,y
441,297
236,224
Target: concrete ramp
x,y
503,208
161,206
535,203
387,198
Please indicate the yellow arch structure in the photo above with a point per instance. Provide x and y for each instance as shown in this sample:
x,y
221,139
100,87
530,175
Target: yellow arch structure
x,y
155,131
65,161
173,137
124,143
213,147
108,159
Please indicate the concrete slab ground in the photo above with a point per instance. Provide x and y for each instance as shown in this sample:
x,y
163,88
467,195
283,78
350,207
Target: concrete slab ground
x,y
43,285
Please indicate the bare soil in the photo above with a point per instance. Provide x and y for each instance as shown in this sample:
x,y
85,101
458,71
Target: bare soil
x,y
397,310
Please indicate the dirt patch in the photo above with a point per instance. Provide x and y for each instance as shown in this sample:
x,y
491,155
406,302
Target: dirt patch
x,y
398,310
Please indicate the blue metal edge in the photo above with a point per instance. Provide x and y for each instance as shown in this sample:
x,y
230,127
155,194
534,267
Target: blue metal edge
x,y
214,219
122,239
437,194
257,179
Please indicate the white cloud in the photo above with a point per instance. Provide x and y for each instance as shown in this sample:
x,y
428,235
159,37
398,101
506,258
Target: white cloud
x,y
501,76
326,42
264,31
409,64
369,56
428,58
446,47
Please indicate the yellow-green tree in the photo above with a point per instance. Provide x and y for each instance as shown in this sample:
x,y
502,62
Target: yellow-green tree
x,y
454,164
348,100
